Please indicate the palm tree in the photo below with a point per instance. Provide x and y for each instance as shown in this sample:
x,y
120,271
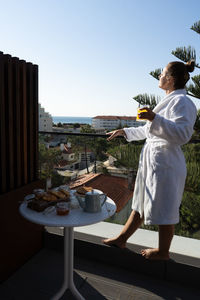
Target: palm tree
x,y
185,54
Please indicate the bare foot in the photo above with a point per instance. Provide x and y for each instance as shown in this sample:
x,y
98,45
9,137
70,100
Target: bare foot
x,y
116,242
154,254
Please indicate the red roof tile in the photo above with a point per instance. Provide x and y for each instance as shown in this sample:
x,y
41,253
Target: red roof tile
x,y
115,118
82,180
115,187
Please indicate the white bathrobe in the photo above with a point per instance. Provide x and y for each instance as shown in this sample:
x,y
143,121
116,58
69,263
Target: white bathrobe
x,y
162,170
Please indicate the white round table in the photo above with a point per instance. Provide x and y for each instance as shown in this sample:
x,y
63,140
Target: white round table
x,y
76,217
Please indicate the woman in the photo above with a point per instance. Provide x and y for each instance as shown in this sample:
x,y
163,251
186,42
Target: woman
x,y
162,170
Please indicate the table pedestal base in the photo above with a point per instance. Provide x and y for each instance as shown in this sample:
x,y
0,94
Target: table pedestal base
x,y
68,282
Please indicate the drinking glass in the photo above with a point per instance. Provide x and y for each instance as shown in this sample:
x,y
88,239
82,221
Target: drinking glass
x,y
139,110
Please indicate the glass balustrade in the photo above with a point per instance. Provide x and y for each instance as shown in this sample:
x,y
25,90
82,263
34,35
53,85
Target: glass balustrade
x,y
89,159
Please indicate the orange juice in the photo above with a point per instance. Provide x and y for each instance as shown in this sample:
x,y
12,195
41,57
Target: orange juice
x,y
62,208
138,112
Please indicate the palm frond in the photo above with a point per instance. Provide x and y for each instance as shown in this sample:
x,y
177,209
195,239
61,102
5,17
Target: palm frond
x,y
185,54
145,99
196,27
156,73
193,89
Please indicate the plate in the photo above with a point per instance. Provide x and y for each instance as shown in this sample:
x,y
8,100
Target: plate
x,y
29,197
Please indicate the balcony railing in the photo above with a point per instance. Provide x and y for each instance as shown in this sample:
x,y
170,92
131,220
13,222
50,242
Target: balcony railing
x,y
118,158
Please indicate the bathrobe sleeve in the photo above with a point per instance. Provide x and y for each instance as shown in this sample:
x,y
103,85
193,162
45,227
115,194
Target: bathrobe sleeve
x,y
135,133
178,128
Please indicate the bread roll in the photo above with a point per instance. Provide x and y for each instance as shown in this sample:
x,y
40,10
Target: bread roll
x,y
84,189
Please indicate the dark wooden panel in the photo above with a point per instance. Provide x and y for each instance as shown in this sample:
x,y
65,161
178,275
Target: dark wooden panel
x,y
9,120
30,116
3,168
18,160
23,119
17,124
35,123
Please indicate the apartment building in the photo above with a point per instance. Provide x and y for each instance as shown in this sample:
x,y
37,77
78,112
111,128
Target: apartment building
x,y
113,122
45,119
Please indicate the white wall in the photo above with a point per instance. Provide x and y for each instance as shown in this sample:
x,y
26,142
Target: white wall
x,y
45,120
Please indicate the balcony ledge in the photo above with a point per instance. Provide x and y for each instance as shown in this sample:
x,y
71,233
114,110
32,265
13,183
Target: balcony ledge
x,y
143,238
183,267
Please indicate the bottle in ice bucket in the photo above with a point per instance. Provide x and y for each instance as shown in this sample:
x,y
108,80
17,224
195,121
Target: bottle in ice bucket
x,y
139,110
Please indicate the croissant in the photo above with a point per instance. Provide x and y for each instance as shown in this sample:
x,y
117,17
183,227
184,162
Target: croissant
x,y
66,193
49,197
58,194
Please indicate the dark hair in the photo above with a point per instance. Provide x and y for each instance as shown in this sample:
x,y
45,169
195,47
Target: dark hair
x,y
180,72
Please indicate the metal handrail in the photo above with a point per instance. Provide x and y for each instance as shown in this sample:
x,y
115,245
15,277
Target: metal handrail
x,y
95,135
76,134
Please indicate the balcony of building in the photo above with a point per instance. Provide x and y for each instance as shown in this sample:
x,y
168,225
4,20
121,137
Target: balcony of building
x,y
31,256
102,272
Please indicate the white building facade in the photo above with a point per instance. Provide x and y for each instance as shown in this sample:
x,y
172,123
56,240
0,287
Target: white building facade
x,y
45,120
113,122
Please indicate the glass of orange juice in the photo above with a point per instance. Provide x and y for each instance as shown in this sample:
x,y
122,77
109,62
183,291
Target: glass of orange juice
x,y
62,208
139,110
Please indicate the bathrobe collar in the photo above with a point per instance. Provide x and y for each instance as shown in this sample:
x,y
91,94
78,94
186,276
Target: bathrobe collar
x,y
168,97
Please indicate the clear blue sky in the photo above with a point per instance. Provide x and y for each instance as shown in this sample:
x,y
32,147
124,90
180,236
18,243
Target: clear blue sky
x,y
95,55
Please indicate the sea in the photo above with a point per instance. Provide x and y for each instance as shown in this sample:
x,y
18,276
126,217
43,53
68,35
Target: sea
x,y
81,120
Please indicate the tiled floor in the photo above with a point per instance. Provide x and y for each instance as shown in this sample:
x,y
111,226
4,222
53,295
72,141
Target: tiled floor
x,y
41,277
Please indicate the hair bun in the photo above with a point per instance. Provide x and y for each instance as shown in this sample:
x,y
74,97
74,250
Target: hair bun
x,y
190,66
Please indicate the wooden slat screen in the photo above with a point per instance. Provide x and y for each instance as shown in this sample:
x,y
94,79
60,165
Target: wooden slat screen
x,y
18,123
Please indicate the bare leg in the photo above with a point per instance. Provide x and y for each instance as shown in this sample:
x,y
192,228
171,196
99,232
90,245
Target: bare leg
x,y
132,224
166,233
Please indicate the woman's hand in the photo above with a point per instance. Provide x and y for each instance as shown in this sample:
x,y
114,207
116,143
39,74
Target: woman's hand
x,y
148,115
114,133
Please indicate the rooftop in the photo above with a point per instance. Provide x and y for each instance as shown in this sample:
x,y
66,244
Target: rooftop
x,y
114,187
115,118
